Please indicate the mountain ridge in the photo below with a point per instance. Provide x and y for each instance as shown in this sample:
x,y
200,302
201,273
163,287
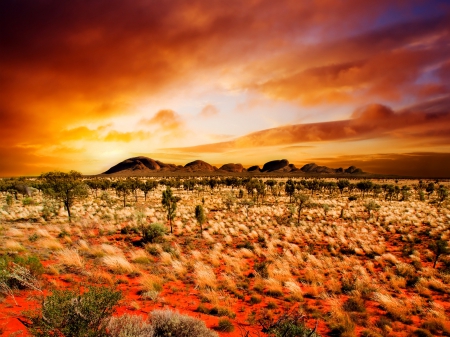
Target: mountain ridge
x,y
142,165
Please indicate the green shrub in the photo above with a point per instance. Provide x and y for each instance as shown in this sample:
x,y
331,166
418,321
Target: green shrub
x,y
9,200
225,325
74,313
290,326
167,323
27,201
32,263
153,232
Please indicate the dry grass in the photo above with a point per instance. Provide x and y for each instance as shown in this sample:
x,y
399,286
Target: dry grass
x,y
70,258
118,264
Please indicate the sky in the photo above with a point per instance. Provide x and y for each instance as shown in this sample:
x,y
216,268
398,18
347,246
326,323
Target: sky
x,y
87,84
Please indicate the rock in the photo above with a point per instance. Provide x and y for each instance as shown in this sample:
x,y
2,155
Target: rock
x,y
140,164
254,168
199,165
275,165
232,168
313,168
352,170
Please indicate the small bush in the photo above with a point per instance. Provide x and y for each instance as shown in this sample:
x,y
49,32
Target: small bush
x,y
255,299
153,232
290,327
272,305
27,201
261,269
220,311
225,325
421,333
9,200
202,309
354,304
169,323
73,313
247,244
435,326
129,326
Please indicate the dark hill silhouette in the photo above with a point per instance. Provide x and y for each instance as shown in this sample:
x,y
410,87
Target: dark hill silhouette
x,y
199,165
233,168
313,168
254,168
275,165
147,166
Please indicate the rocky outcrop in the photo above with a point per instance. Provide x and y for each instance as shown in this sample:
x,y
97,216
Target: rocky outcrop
x,y
144,165
199,165
275,165
140,164
352,170
313,168
232,168
254,168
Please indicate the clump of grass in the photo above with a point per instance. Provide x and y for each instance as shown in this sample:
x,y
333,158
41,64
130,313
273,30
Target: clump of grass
x,y
70,258
225,325
118,264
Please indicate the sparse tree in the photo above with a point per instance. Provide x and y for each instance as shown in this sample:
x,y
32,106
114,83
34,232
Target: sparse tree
x,y
247,203
439,247
64,187
342,184
430,189
200,216
301,200
289,188
442,193
371,206
122,190
229,200
169,202
364,186
147,186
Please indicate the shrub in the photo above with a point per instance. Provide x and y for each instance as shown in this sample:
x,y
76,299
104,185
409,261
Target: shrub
x,y
203,309
290,326
435,326
272,305
73,313
169,323
153,232
354,304
9,200
220,311
225,325
27,201
32,263
129,326
261,269
255,299
421,333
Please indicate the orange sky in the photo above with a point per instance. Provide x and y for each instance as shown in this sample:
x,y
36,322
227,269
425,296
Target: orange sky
x,y
86,84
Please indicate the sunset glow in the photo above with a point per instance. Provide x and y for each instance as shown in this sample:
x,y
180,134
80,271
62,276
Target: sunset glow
x,y
85,85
